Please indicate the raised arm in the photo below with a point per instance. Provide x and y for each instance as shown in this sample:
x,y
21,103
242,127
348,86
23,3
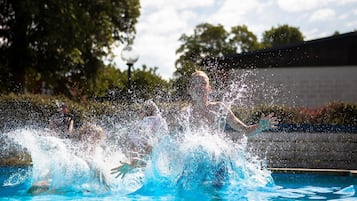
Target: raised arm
x,y
265,123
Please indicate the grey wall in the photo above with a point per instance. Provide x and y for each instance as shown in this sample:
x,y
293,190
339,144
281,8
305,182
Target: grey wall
x,y
302,86
306,150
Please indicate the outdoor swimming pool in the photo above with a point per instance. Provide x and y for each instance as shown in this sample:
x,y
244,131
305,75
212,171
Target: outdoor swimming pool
x,y
195,167
192,166
285,186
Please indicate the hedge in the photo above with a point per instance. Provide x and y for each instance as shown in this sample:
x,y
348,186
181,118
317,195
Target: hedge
x,y
35,110
29,110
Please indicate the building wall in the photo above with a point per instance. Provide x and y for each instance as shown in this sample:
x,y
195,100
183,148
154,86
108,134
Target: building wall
x,y
306,150
302,86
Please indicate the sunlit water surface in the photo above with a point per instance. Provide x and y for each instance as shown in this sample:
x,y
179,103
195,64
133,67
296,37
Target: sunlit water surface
x,y
192,166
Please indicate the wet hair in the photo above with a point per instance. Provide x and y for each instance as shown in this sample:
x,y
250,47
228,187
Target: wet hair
x,y
64,106
89,130
198,78
61,106
150,108
202,74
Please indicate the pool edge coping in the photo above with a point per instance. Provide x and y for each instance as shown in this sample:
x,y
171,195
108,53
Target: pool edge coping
x,y
320,171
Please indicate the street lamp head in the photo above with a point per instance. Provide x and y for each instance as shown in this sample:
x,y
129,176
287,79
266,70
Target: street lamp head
x,y
129,54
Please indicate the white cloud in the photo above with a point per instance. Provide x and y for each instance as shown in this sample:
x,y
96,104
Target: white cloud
x,y
158,31
343,2
352,24
162,22
298,5
179,5
311,34
306,5
343,16
322,15
234,12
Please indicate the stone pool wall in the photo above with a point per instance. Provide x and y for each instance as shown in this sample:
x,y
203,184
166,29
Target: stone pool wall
x,y
306,150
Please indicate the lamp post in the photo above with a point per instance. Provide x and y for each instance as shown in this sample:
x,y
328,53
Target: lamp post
x,y
129,55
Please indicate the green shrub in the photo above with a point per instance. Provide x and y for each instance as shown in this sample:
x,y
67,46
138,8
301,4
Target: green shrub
x,y
32,110
35,110
28,109
331,114
337,114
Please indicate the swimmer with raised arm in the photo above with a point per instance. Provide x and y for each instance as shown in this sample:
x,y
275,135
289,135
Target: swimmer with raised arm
x,y
211,116
142,137
205,112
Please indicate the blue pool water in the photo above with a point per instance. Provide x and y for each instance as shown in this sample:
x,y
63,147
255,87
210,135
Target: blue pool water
x,y
286,187
194,166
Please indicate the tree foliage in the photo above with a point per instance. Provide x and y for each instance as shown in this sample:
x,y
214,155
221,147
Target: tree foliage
x,y
209,40
60,43
112,84
147,84
180,81
109,81
243,39
281,35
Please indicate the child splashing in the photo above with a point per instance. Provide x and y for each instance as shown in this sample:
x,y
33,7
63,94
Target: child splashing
x,y
205,112
209,157
72,165
198,158
142,137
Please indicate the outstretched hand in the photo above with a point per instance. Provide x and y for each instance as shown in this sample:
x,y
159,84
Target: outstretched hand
x,y
122,170
268,122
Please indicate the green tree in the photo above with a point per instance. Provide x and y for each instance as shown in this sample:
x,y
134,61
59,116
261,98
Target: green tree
x,y
282,35
181,79
147,84
62,43
110,83
207,41
243,39
336,33
214,41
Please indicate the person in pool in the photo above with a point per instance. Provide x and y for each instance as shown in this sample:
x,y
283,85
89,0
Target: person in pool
x,y
62,122
215,113
88,141
142,137
212,117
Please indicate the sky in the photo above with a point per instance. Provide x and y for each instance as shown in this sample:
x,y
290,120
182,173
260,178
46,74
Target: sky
x,y
162,22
